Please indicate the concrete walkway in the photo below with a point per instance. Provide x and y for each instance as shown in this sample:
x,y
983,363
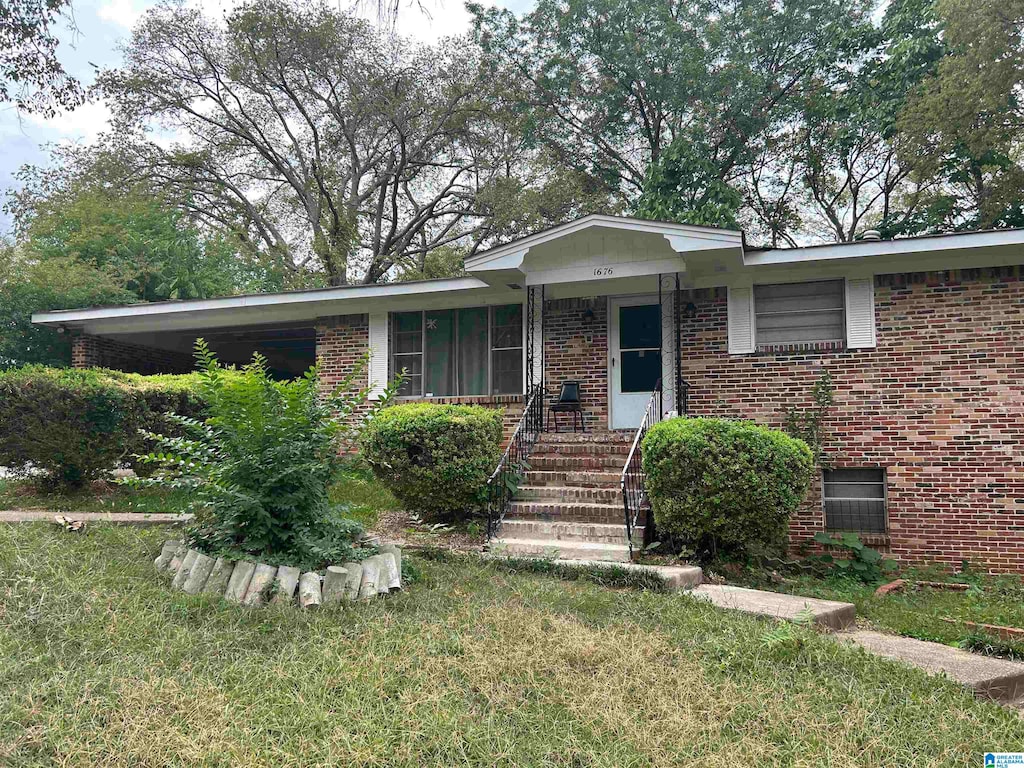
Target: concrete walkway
x,y
115,518
825,613
988,677
676,577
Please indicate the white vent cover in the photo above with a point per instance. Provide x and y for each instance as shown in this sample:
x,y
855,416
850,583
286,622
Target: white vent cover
x,y
378,366
741,321
860,313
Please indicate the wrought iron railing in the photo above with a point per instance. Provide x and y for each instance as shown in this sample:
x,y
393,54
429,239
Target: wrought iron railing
x,y
632,482
505,480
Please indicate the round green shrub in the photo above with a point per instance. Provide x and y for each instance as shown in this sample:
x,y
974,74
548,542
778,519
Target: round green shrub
x,y
435,459
723,486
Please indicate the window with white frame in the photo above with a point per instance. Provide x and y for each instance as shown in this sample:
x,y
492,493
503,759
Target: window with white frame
x,y
457,352
855,500
799,313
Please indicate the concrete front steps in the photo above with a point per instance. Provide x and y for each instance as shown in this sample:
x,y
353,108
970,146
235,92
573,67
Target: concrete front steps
x,y
569,505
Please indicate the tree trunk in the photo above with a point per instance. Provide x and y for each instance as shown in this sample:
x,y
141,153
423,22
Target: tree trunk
x,y
197,577
334,584
354,575
368,581
309,590
286,581
163,560
183,571
239,581
395,576
259,585
219,577
177,558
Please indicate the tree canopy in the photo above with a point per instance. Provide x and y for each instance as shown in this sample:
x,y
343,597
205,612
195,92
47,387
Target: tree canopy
x,y
290,143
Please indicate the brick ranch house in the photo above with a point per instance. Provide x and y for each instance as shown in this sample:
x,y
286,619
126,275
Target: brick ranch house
x,y
923,338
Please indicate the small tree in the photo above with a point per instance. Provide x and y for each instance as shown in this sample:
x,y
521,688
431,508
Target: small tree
x,y
260,466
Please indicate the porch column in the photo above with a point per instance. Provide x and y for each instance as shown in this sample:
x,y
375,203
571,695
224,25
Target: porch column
x,y
534,338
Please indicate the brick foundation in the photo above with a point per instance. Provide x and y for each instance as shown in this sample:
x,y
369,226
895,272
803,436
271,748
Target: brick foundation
x,y
97,352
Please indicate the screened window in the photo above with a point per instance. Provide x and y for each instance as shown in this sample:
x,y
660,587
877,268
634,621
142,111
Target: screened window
x,y
799,313
855,500
454,352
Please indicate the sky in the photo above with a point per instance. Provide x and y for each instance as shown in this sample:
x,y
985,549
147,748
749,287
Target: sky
x,y
102,25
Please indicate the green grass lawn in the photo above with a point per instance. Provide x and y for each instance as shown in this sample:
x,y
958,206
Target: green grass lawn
x,y
921,612
365,497
99,497
100,664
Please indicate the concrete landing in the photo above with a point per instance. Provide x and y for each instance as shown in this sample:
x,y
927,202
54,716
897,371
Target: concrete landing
x,y
826,613
989,678
676,577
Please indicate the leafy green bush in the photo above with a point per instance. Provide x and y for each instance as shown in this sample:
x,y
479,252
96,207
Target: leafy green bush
x,y
861,561
74,426
68,424
260,465
724,486
435,458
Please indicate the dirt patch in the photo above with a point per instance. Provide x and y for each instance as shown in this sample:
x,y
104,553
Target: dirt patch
x,y
406,530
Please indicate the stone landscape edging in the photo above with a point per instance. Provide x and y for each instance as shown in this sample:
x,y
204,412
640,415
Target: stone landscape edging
x,y
250,583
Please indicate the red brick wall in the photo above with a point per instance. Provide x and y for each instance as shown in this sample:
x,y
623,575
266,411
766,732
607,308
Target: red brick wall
x,y
340,343
939,403
577,350
97,352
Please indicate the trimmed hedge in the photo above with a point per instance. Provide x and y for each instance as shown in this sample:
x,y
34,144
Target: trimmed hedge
x,y
435,459
77,425
725,486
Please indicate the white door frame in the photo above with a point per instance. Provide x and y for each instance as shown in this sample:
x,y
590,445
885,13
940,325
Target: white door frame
x,y
614,303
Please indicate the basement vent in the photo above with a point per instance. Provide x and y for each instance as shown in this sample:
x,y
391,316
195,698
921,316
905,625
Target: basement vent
x,y
855,500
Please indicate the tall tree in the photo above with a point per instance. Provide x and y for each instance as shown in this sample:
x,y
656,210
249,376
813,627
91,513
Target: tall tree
x,y
330,141
614,85
966,123
845,147
83,206
31,75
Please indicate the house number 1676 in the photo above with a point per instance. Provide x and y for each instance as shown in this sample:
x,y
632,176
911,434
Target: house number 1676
x,y
604,271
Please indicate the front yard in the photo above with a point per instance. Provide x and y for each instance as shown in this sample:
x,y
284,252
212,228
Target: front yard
x,y
101,664
924,612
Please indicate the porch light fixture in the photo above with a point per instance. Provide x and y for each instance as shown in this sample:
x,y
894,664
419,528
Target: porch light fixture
x,y
690,310
588,316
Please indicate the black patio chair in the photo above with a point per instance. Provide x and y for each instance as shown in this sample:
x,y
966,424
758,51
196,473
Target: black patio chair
x,y
569,402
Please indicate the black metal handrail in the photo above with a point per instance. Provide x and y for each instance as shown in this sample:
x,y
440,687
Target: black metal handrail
x,y
632,482
634,496
504,481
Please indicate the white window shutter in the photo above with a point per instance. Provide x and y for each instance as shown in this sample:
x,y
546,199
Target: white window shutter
x,y
378,366
860,313
741,321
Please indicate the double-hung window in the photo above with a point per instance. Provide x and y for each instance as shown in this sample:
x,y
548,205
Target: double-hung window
x,y
799,313
457,352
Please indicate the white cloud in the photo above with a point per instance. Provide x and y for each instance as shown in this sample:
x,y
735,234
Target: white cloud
x,y
122,12
83,124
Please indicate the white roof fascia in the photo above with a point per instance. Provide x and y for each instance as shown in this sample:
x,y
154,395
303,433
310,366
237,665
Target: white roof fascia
x,y
318,296
720,237
867,248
